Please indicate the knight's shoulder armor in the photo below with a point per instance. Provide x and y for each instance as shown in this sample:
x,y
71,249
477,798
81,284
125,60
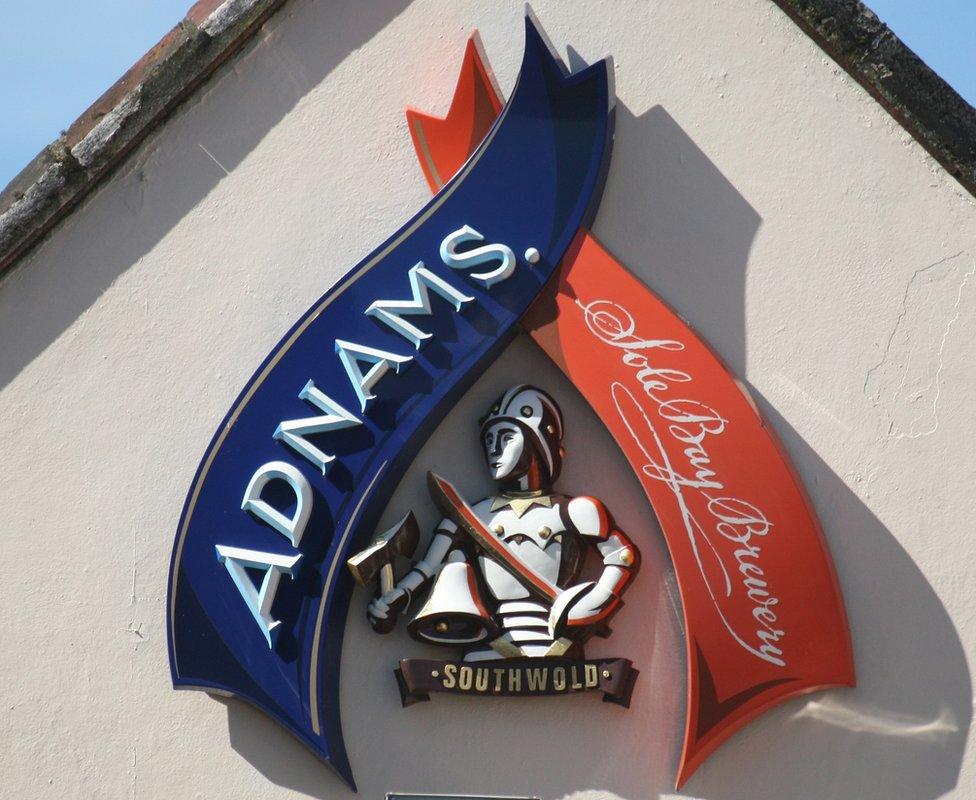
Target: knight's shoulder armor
x,y
589,517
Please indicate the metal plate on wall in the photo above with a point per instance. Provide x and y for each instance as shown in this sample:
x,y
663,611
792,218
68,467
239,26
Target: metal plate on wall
x,y
397,796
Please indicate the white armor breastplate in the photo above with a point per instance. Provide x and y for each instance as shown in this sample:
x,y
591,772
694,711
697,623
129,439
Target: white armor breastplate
x,y
536,538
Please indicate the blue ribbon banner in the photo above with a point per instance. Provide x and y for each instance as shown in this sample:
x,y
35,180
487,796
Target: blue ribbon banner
x,y
306,459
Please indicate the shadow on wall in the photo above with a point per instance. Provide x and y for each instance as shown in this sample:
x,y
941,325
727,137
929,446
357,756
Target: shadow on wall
x,y
673,218
332,33
901,734
276,754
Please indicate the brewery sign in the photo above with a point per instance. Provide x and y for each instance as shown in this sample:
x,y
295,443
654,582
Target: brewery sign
x,y
281,519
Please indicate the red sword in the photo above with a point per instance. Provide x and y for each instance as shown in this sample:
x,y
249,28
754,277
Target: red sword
x,y
453,506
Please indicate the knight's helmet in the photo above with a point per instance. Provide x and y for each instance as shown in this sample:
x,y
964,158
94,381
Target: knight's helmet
x,y
539,418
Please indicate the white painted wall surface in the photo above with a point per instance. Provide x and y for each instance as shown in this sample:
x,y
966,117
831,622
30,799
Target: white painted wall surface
x,y
754,186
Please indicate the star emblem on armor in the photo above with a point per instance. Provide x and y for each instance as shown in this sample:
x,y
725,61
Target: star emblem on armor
x,y
520,504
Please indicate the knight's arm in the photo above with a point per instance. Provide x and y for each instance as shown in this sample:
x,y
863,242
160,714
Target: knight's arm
x,y
423,572
595,601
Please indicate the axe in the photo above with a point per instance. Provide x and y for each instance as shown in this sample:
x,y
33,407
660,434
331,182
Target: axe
x,y
377,560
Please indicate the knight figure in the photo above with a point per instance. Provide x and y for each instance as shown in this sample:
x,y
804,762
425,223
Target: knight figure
x,y
504,573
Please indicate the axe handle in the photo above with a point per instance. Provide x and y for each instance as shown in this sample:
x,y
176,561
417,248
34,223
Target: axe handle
x,y
386,582
385,585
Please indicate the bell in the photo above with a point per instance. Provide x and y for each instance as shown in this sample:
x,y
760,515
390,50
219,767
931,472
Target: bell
x,y
453,614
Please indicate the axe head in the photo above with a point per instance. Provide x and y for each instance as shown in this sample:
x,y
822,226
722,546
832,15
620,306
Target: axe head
x,y
401,540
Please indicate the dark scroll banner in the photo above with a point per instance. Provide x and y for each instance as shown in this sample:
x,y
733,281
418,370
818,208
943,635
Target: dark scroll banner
x,y
530,185
517,677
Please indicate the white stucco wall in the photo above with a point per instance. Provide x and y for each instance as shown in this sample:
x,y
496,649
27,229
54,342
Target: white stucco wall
x,y
754,186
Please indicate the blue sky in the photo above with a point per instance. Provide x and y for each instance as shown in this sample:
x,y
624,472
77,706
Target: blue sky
x,y
57,58
56,63
941,32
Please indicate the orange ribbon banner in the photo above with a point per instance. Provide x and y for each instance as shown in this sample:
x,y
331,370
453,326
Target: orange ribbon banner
x,y
763,612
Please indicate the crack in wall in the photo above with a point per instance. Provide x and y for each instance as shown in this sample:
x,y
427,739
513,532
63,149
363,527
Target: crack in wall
x,y
905,384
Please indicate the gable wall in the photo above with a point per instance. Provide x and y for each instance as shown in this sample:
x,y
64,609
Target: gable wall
x,y
754,186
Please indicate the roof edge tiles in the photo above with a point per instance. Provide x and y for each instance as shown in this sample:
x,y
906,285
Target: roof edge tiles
x,y
65,171
906,87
